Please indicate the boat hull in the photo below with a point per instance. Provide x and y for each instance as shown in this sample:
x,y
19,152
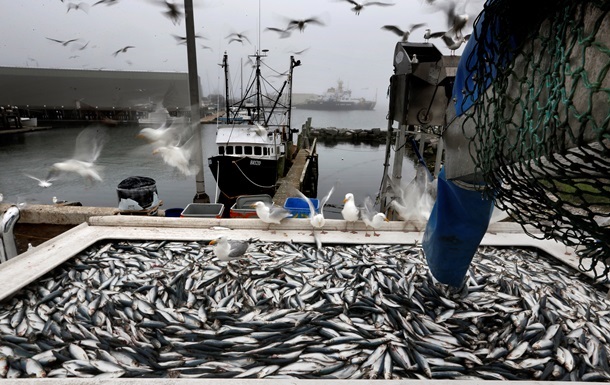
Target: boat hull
x,y
244,176
331,106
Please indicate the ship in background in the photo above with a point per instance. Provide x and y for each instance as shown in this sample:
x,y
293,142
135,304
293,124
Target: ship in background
x,y
337,99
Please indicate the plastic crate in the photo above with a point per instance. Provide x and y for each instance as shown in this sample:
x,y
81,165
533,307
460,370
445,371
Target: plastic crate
x,y
243,205
299,208
203,210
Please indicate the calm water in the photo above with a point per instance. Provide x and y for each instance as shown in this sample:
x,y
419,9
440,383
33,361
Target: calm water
x,y
356,168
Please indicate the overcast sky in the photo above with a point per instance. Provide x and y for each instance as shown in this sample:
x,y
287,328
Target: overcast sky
x,y
350,47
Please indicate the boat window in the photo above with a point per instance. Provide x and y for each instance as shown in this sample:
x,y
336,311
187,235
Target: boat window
x,y
229,150
248,150
238,150
271,151
265,151
221,150
258,150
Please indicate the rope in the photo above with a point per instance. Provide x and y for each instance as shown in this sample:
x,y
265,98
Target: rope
x,y
246,176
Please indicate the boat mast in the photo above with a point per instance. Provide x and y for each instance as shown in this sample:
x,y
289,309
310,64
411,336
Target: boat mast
x,y
225,65
258,88
293,65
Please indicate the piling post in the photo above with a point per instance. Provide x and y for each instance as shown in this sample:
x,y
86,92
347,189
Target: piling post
x,y
200,195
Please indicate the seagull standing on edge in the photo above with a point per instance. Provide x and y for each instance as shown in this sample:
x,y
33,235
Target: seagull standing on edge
x,y
350,211
229,250
270,213
432,35
371,217
454,44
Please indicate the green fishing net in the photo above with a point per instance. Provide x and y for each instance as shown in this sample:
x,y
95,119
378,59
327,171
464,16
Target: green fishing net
x,y
541,139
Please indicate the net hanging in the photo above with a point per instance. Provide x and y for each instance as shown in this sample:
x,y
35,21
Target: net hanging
x,y
541,141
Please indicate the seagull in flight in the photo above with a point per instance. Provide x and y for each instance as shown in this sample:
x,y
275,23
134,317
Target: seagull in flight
x,y
228,250
301,24
107,2
456,20
172,10
44,183
166,133
413,201
241,37
63,42
316,220
182,39
403,34
88,147
283,33
82,6
359,6
122,50
178,153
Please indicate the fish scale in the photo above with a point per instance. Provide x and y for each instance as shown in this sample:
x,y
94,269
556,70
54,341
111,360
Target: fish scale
x,y
360,311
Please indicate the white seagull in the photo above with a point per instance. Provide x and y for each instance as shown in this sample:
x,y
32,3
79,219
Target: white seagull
x,y
270,213
89,144
350,211
166,133
317,220
44,183
371,217
228,250
413,201
179,155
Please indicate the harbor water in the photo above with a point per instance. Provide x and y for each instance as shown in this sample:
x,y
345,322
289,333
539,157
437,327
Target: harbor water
x,y
355,168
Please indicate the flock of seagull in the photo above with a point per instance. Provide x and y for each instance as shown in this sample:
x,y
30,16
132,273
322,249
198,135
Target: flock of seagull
x,y
412,201
453,37
233,250
174,144
173,140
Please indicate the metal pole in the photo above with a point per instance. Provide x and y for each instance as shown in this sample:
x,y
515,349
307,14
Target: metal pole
x,y
200,195
399,154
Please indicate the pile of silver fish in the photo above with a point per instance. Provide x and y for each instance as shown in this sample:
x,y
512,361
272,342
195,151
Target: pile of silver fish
x,y
287,310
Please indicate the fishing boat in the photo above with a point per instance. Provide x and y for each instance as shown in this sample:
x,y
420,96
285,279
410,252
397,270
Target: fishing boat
x,y
337,99
254,136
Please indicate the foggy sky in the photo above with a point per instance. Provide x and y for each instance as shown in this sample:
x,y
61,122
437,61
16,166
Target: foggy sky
x,y
350,47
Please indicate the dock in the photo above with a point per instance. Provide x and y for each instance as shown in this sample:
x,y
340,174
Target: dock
x,y
302,176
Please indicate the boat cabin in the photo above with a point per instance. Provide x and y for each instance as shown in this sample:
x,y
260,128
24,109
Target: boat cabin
x,y
240,141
